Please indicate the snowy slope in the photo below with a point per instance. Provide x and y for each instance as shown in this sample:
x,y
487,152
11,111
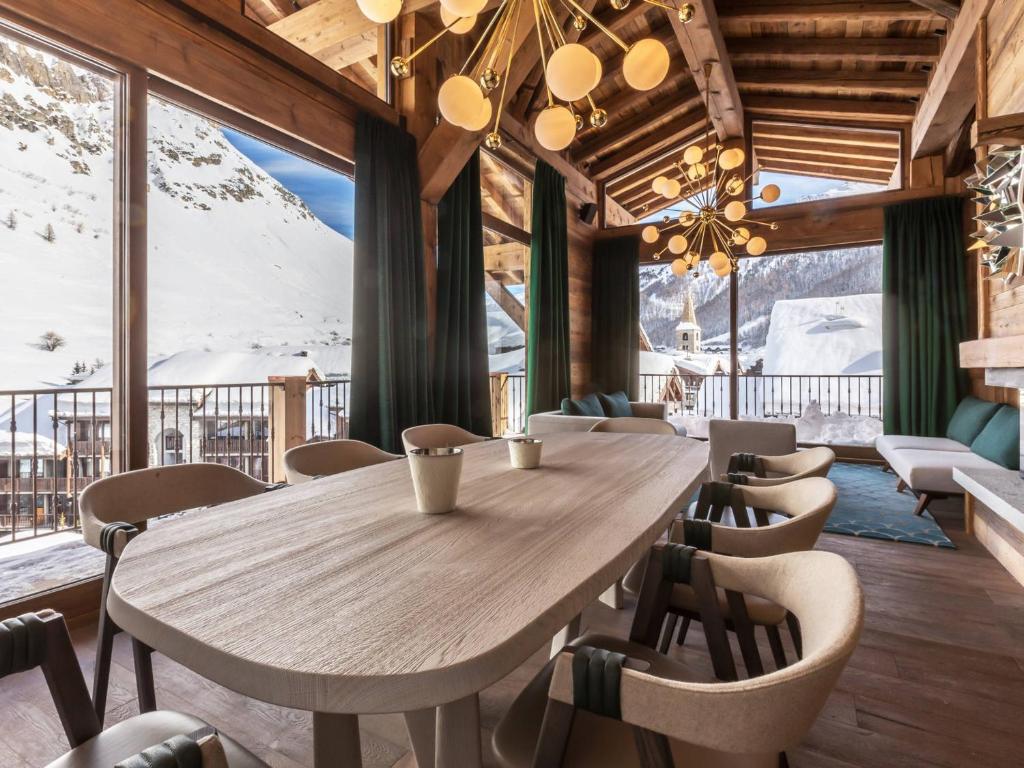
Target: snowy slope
x,y
236,261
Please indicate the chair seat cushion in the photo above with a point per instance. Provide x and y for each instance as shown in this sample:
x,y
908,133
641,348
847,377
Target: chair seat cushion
x,y
598,742
588,405
999,441
761,612
885,443
132,736
933,470
969,419
615,405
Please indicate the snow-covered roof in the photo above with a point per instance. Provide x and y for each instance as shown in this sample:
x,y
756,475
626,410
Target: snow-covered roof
x,y
23,445
687,326
508,362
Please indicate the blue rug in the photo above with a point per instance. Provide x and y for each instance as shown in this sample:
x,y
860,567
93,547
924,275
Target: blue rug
x,y
869,507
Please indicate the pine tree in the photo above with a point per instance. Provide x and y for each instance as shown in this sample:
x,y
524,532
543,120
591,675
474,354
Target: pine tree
x,y
48,234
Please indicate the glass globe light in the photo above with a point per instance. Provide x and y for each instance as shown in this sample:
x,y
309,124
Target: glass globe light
x,y
572,72
696,171
457,25
717,259
725,269
678,267
380,11
734,186
645,64
672,188
555,128
740,235
770,193
677,244
482,119
658,185
693,154
731,158
464,8
692,258
459,100
757,245
493,140
686,218
735,210
649,234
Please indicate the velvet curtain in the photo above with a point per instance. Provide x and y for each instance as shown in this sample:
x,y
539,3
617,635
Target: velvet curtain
x,y
615,316
547,365
390,375
461,376
924,315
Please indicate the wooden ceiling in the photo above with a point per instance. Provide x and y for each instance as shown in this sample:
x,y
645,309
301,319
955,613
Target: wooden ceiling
x,y
825,87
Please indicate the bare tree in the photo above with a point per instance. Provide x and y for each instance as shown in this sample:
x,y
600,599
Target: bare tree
x,y
48,234
51,341
10,221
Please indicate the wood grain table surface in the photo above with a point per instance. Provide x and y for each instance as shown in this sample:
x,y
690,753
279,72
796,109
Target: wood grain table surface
x,y
337,596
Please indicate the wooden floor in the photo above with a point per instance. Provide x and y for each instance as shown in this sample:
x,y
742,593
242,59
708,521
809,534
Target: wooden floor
x,y
938,679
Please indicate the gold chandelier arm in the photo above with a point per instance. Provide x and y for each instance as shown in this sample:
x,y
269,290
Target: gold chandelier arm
x,y
431,41
508,66
553,25
543,57
545,12
502,37
490,26
659,4
615,38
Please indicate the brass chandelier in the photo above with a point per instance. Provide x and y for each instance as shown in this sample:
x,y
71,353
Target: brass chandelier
x,y
571,71
715,221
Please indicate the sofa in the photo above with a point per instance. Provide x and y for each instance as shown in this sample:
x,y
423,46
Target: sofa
x,y
980,435
580,415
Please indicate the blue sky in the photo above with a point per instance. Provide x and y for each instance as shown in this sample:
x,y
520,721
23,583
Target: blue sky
x,y
329,194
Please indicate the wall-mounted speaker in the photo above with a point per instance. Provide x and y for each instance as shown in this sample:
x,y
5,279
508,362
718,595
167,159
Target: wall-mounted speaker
x,y
588,212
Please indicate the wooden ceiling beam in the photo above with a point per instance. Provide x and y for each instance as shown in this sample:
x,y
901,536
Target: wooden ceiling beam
x,y
828,172
827,133
945,8
828,82
952,91
681,86
816,148
665,109
673,136
861,111
506,230
769,11
816,49
702,44
613,20
504,298
766,157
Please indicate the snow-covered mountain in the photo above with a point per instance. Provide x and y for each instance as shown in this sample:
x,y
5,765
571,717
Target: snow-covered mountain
x,y
236,261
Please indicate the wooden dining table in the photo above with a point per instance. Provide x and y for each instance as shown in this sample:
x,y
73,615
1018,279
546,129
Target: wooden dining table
x,y
337,597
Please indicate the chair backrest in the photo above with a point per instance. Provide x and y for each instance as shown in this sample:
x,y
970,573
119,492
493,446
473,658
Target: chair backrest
x,y
813,462
438,436
805,503
766,714
329,457
766,438
141,495
635,425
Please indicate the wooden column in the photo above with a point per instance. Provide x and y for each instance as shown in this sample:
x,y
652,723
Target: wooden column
x,y
288,419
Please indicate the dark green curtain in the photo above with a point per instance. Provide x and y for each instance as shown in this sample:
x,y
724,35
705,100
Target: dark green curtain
x,y
390,375
461,383
615,316
924,315
547,346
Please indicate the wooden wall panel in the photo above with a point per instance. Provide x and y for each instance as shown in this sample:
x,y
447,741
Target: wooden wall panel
x,y
581,259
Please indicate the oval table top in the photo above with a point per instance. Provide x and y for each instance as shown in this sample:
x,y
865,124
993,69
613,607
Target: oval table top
x,y
338,596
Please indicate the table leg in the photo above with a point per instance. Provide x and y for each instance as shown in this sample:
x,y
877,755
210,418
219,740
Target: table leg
x,y
566,635
422,725
612,597
458,734
336,741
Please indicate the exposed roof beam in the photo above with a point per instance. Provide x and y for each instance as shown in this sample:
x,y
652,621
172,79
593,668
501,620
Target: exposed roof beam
x,y
874,49
863,111
506,230
770,11
577,184
766,157
828,171
816,149
509,303
828,81
952,91
680,86
702,43
665,109
812,133
674,135
946,8
613,20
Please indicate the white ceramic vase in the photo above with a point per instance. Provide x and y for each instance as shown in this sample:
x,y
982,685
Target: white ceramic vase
x,y
435,478
524,452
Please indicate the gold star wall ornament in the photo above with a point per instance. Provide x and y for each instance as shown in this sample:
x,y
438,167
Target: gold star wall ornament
x,y
998,184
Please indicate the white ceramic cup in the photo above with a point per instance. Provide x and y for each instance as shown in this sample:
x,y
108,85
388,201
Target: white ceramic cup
x,y
435,478
524,452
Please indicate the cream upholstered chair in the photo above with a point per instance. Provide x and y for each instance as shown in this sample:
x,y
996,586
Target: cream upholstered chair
x,y
766,438
635,425
116,508
41,640
438,436
329,457
601,700
802,507
752,469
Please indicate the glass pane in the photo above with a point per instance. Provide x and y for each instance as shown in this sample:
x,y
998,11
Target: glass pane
x,y
810,342
801,189
684,358
250,277
57,195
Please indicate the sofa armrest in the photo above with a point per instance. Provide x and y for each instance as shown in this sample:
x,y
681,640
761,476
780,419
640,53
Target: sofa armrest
x,y
556,421
650,410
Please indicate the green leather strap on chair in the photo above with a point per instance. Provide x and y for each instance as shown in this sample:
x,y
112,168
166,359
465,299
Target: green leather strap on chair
x,y
746,462
108,535
737,478
720,494
675,562
22,644
177,752
697,534
596,681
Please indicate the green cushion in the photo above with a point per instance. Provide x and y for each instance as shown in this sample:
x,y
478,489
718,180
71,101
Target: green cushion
x,y
585,406
616,404
970,418
999,441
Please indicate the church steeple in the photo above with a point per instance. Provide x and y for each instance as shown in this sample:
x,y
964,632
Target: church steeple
x,y
689,314
688,332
